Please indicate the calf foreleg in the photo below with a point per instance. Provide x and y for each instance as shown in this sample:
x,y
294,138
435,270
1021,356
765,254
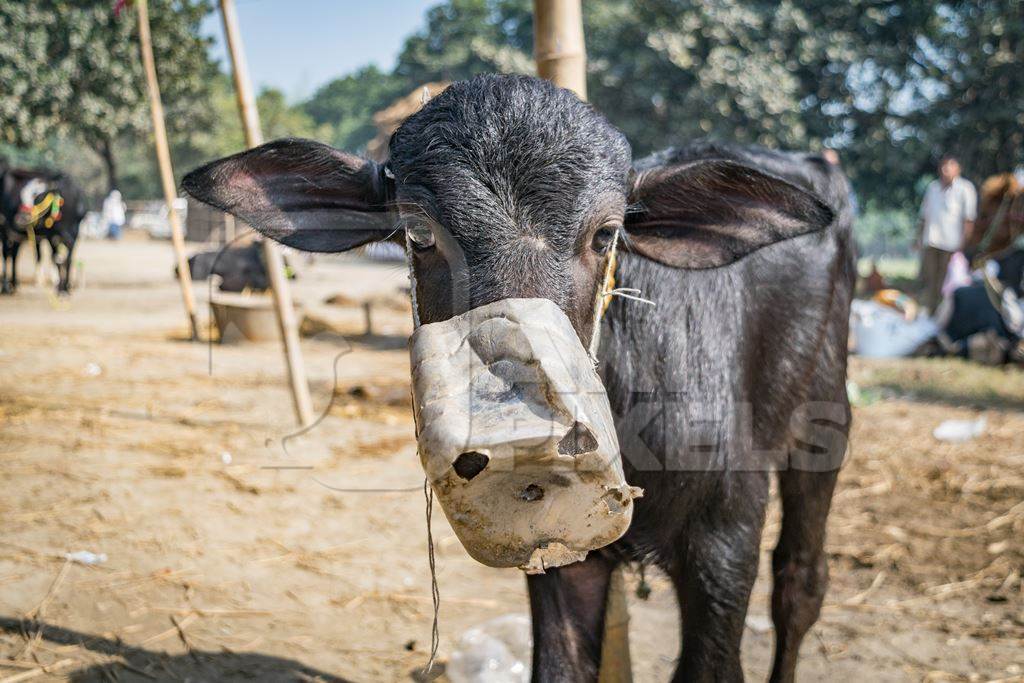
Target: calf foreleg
x,y
568,609
713,573
799,564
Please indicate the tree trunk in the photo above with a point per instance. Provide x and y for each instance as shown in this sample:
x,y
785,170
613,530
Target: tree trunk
x,y
106,151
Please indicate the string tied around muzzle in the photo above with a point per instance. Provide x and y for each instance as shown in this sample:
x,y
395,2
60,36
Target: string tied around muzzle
x,y
606,291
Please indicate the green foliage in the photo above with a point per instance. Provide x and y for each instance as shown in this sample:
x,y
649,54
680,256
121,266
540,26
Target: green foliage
x,y
348,104
73,69
886,231
463,38
974,64
893,85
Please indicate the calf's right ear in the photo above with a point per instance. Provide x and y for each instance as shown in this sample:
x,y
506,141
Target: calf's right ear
x,y
300,193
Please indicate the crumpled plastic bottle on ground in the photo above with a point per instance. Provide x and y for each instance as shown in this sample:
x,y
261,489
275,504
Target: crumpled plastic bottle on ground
x,y
496,651
86,557
959,431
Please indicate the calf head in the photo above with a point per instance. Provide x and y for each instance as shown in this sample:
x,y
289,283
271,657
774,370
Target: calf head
x,y
507,187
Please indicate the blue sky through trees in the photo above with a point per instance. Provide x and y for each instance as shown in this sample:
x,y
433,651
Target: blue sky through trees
x,y
298,45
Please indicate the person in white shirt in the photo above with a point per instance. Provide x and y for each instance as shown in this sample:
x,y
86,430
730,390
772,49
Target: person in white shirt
x,y
113,214
948,212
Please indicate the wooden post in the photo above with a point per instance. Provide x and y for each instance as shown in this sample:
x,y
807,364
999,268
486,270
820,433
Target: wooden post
x,y
229,228
163,156
562,59
271,254
616,662
368,317
558,44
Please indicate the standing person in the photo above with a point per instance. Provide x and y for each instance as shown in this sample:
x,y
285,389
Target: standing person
x,y
113,214
948,212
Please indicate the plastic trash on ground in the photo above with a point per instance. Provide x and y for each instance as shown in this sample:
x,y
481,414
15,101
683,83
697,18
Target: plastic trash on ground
x,y
497,651
898,301
861,397
516,435
959,431
86,557
880,332
958,274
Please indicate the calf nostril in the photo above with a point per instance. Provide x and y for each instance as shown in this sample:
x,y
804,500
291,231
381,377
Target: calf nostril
x,y
577,441
531,493
470,464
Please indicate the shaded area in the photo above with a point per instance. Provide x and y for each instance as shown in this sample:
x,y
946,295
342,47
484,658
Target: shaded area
x,y
130,663
951,397
380,342
943,381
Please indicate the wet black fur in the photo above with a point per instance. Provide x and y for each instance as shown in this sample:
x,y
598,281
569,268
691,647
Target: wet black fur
x,y
502,165
516,176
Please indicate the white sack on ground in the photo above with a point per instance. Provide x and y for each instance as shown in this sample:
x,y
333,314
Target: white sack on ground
x,y
881,332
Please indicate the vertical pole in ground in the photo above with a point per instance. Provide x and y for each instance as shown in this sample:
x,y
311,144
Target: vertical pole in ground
x,y
558,44
271,254
163,156
561,57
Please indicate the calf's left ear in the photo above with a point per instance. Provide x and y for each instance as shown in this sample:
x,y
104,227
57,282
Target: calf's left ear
x,y
713,212
301,193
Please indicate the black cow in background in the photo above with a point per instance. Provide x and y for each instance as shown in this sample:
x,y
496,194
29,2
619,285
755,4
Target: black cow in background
x,y
240,267
43,205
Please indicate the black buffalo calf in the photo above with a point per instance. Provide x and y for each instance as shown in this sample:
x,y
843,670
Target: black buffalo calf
x,y
508,187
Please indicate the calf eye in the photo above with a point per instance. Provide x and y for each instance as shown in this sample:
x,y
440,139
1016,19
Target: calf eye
x,y
420,234
603,238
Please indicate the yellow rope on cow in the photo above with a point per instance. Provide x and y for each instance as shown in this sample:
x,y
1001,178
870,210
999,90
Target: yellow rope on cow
x,y
605,293
51,204
608,286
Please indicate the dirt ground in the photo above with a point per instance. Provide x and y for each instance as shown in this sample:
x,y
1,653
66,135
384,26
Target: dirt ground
x,y
222,563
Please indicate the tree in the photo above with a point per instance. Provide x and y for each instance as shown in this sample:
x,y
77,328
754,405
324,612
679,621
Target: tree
x,y
891,83
73,69
347,105
463,38
969,71
224,136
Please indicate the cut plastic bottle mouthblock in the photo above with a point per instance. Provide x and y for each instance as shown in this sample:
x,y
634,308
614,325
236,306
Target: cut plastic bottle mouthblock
x,y
516,435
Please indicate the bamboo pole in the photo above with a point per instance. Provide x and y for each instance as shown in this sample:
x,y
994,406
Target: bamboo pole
x,y
558,44
561,57
616,663
271,254
163,156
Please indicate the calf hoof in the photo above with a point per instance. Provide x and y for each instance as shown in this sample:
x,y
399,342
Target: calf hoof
x,y
6,289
